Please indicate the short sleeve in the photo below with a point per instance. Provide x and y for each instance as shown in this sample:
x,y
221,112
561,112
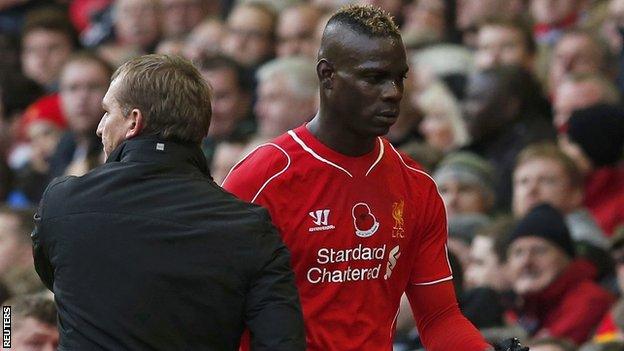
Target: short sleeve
x,y
431,264
256,171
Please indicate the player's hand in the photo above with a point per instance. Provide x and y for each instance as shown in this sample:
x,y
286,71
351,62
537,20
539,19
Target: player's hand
x,y
512,344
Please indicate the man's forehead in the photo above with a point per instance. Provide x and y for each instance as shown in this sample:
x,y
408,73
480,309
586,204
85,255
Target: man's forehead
x,y
356,49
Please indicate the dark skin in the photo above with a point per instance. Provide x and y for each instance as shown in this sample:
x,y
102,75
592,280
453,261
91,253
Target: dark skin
x,y
361,83
489,107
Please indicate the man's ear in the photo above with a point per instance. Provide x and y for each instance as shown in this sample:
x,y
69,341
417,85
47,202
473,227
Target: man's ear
x,y
135,123
325,72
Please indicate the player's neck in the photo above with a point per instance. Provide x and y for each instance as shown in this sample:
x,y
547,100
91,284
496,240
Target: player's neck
x,y
339,139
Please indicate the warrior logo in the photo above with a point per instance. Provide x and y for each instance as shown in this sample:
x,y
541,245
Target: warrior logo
x,y
321,220
397,214
364,221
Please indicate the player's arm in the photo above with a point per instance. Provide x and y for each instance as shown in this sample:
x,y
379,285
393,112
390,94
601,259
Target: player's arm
x,y
430,291
273,312
439,320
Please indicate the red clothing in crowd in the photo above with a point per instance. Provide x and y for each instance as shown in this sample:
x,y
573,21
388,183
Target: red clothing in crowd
x,y
361,231
47,108
571,307
604,197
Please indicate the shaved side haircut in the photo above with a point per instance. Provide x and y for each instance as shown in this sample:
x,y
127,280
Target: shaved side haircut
x,y
368,20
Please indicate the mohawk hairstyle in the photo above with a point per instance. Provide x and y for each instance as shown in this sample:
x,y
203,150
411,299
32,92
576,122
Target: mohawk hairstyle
x,y
366,19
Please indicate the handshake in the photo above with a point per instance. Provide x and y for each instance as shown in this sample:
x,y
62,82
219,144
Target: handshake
x,y
512,344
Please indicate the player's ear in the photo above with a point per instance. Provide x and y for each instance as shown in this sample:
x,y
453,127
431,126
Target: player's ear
x,y
135,123
325,73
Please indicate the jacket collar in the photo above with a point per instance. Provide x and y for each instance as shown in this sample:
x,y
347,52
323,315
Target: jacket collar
x,y
153,149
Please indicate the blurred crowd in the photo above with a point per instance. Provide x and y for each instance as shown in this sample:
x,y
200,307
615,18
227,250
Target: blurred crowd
x,y
513,106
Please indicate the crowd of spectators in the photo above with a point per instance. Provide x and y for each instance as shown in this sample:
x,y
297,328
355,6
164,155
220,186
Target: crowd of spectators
x,y
513,106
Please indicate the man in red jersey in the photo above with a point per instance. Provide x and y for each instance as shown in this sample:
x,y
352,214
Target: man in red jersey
x,y
363,224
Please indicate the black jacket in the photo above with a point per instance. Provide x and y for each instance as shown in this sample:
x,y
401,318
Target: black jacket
x,y
147,253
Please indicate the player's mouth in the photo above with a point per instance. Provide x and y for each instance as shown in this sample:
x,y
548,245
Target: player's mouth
x,y
388,116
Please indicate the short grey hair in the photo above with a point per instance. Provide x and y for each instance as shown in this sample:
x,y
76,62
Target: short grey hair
x,y
299,72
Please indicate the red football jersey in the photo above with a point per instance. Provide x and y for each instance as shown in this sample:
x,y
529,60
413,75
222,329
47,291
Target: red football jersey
x,y
360,229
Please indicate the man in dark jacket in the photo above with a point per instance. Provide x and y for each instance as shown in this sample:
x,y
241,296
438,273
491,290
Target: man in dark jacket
x,y
146,252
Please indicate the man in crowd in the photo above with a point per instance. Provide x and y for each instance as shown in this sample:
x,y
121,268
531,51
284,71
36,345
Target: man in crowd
x,y
34,324
83,83
295,31
250,34
579,52
191,265
505,111
505,42
48,39
363,223
544,173
578,91
558,296
287,96
466,183
232,118
594,139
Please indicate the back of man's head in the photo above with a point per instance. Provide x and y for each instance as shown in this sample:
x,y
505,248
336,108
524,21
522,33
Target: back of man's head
x,y
171,94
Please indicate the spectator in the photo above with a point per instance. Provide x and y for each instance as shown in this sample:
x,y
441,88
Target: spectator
x,y
17,92
578,52
442,125
84,80
137,30
470,13
544,173
232,117
295,31
580,90
429,21
594,140
204,40
505,42
486,284
48,39
505,111
461,231
486,264
250,34
34,325
553,17
179,17
466,184
557,295
287,96
15,245
32,179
